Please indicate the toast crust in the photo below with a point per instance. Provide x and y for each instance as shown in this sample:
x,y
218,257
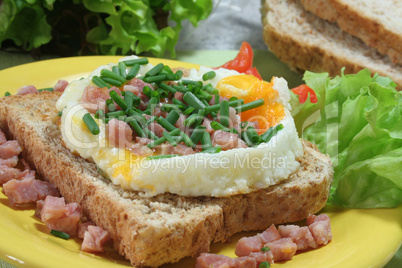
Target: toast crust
x,y
349,18
317,45
167,227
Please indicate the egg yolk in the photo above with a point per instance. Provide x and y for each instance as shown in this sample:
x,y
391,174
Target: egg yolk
x,y
249,88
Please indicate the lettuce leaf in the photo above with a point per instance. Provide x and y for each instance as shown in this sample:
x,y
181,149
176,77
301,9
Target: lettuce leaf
x,y
100,26
357,121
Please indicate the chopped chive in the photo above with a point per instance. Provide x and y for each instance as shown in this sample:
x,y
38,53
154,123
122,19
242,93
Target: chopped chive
x,y
115,70
264,264
114,114
193,101
119,100
177,139
110,105
167,107
162,93
212,150
131,100
200,117
155,70
150,134
210,89
134,124
91,124
197,134
153,102
243,124
191,82
105,73
189,121
253,135
167,88
112,82
266,137
140,61
179,104
156,142
147,91
206,141
169,138
216,107
179,74
205,95
265,249
60,113
186,139
172,117
155,79
165,124
99,82
182,89
209,75
151,120
60,234
167,70
122,69
224,113
217,99
7,94
46,89
217,126
188,111
133,72
233,130
249,106
161,156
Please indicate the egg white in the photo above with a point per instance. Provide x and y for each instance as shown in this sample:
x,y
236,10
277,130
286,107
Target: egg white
x,y
236,171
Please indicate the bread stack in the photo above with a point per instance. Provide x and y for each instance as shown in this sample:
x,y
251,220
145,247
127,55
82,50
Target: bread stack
x,y
326,35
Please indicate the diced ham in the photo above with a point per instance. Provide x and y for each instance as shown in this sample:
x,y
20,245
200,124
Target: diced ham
x,y
207,123
283,249
246,245
8,173
3,138
38,210
93,107
9,149
140,149
226,140
245,262
138,84
142,141
94,239
212,101
182,149
158,112
119,133
93,93
320,228
58,216
262,256
270,234
27,90
28,190
207,260
137,88
156,128
82,228
300,235
60,85
180,124
10,162
234,119
178,95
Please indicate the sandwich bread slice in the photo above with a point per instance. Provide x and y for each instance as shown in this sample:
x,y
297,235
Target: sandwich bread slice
x,y
377,23
151,231
306,42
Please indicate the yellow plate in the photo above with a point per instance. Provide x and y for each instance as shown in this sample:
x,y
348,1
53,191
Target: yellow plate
x,y
362,238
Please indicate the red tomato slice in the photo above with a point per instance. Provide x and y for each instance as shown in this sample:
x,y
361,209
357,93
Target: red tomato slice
x,y
253,71
303,91
243,60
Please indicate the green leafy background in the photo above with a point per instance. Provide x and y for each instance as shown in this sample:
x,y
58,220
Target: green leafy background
x,y
77,27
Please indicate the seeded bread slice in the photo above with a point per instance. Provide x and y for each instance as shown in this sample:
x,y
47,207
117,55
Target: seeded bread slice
x,y
307,42
378,24
167,227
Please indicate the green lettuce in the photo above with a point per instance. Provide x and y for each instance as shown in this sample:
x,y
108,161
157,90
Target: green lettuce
x,y
357,121
99,26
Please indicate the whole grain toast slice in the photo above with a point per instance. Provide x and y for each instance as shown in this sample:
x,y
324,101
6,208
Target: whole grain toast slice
x,y
378,24
306,42
167,227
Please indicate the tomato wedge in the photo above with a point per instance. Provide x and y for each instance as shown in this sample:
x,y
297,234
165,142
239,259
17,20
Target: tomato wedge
x,y
303,91
243,63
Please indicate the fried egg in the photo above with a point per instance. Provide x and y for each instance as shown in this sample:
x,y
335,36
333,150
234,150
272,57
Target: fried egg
x,y
230,172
